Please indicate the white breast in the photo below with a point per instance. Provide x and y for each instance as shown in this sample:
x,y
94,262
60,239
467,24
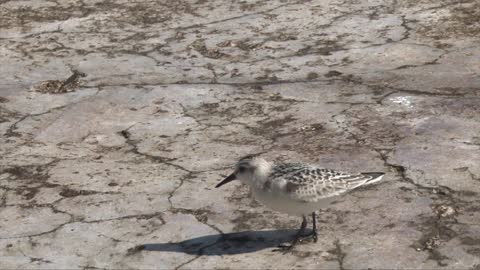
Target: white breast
x,y
279,201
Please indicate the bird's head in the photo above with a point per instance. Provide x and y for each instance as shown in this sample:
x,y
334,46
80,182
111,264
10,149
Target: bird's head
x,y
249,170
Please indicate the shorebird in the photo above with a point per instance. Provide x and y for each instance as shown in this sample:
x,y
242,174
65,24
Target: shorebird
x,y
296,188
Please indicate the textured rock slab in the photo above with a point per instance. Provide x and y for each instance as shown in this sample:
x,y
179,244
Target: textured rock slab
x,y
20,222
119,172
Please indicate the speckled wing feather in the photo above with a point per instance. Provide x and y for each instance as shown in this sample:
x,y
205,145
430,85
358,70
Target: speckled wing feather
x,y
311,184
284,169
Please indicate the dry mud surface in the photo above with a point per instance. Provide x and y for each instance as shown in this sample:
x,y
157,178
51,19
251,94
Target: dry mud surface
x,y
119,117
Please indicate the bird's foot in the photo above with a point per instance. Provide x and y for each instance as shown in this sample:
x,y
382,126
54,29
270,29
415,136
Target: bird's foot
x,y
284,248
312,234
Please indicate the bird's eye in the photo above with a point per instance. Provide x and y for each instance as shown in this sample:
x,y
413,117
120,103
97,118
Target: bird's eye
x,y
242,169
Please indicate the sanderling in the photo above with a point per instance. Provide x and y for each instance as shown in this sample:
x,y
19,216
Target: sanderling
x,y
296,188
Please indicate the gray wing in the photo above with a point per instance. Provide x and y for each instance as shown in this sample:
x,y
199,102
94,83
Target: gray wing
x,y
310,184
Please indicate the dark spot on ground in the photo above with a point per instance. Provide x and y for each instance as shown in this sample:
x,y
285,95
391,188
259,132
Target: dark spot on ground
x,y
312,76
30,179
243,45
67,192
474,251
272,128
256,87
200,214
313,127
467,240
199,46
7,115
32,260
210,107
333,73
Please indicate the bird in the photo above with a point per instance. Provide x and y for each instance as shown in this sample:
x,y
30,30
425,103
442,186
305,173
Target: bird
x,y
297,189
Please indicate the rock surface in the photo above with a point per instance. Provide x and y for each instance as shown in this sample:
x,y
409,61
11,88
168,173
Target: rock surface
x,y
116,168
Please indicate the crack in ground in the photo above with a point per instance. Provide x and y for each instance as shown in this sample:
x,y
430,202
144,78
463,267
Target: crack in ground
x,y
232,18
91,267
35,259
201,215
172,193
300,81
158,215
338,251
156,159
10,132
72,220
52,207
436,228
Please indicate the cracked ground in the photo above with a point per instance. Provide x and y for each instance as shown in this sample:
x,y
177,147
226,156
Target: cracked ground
x,y
119,117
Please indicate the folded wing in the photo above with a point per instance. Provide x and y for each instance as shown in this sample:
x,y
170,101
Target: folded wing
x,y
311,184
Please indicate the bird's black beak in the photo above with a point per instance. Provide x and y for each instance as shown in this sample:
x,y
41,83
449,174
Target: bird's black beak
x,y
230,178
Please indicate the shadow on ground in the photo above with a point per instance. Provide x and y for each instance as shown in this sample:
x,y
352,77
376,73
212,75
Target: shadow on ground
x,y
226,244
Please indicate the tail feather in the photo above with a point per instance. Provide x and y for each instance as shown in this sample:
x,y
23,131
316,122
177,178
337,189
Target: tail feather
x,y
375,177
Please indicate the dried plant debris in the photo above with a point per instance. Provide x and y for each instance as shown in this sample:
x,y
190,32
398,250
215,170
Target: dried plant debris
x,y
243,45
312,127
199,46
431,243
444,211
60,87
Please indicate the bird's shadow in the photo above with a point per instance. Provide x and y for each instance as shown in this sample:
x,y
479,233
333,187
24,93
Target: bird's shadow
x,y
223,244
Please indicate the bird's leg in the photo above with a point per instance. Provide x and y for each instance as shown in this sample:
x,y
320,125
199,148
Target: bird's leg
x,y
299,234
314,232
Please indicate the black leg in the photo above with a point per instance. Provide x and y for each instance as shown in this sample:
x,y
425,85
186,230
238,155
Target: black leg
x,y
314,233
299,234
